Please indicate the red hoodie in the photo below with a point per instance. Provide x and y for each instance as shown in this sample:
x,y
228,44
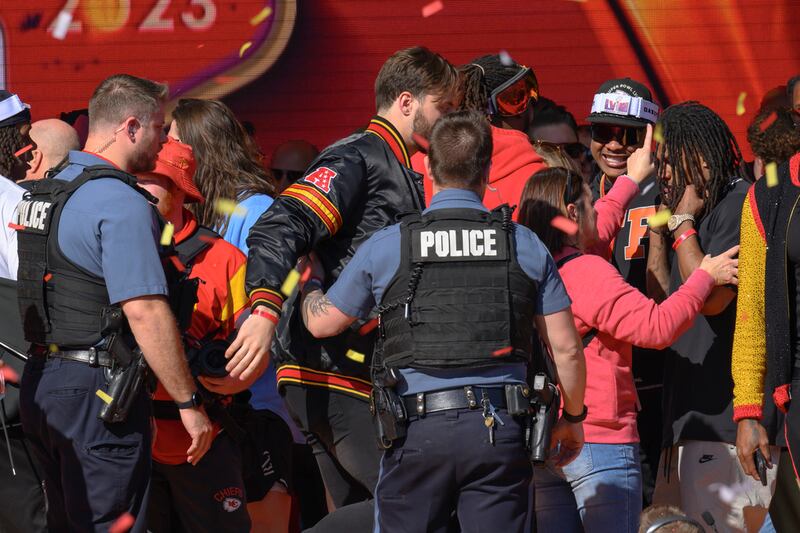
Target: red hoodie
x,y
513,161
623,317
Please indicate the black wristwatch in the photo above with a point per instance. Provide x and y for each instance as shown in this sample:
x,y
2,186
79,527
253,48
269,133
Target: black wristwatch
x,y
574,419
195,401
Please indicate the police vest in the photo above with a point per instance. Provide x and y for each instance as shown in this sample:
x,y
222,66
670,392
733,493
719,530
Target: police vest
x,y
459,297
60,302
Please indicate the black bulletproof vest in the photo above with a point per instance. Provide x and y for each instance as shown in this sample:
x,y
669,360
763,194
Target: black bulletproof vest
x,y
60,302
459,297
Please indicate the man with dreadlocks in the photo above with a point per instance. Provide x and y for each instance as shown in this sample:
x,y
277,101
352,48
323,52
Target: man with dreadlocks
x,y
702,180
506,92
15,125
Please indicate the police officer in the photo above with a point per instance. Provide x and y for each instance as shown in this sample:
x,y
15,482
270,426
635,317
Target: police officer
x,y
354,188
90,281
459,290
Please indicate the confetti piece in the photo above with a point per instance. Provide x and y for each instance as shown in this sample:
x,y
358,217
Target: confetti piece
x,y
229,207
23,150
290,282
505,58
421,142
200,46
9,374
358,357
740,103
658,133
771,172
61,25
648,187
166,235
767,122
261,16
245,47
564,224
503,351
53,348
659,219
367,327
104,396
122,524
432,8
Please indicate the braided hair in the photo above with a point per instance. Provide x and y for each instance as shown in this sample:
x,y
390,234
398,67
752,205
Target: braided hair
x,y
693,134
11,141
480,77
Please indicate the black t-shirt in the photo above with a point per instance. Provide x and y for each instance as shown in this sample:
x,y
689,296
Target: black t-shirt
x,y
630,258
698,386
793,255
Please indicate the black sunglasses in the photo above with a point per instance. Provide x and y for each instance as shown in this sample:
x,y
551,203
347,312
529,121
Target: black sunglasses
x,y
289,175
625,135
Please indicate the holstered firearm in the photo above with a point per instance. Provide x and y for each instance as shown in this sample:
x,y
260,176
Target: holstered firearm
x,y
386,406
545,403
125,379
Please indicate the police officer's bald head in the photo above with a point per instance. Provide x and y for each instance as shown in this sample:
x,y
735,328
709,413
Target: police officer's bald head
x,y
460,151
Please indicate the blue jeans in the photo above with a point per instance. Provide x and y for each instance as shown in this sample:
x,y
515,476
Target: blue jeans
x,y
600,491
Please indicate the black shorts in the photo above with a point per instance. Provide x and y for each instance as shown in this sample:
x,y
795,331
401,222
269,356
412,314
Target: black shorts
x,y
266,453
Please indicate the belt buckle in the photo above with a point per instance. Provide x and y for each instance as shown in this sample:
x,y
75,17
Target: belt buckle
x,y
472,402
92,357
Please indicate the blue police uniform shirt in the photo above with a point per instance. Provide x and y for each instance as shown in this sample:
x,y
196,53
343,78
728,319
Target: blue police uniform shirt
x,y
364,280
111,231
264,392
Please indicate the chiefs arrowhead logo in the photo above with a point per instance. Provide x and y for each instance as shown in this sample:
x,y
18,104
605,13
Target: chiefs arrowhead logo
x,y
201,48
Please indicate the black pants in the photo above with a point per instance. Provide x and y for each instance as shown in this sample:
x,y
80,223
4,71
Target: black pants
x,y
209,496
445,464
341,433
93,471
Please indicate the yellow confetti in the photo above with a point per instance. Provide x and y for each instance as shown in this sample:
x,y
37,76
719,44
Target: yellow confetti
x,y
659,219
658,133
244,48
53,348
229,207
740,103
771,172
358,357
290,282
261,16
104,396
166,235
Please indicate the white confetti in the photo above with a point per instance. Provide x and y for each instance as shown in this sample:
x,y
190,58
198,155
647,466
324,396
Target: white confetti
x,y
648,187
505,58
61,25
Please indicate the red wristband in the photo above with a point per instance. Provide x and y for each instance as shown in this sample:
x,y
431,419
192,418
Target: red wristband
x,y
258,311
685,235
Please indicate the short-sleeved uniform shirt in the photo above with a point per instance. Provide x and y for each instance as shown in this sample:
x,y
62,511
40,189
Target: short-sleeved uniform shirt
x,y
698,387
110,230
10,196
363,281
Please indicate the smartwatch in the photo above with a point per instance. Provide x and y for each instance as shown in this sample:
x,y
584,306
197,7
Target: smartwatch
x,y
195,401
574,419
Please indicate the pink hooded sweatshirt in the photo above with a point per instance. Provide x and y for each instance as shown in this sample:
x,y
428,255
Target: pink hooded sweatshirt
x,y
513,161
623,317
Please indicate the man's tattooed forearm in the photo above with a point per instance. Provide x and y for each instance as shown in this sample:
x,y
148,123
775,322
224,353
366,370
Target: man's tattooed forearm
x,y
315,303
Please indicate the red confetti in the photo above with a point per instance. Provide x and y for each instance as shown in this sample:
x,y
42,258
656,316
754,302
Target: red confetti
x,y
47,277
9,374
421,142
432,8
503,351
564,224
122,524
17,227
767,122
369,326
305,274
23,150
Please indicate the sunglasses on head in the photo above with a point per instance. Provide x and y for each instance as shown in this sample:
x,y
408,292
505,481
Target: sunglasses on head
x,y
625,135
514,96
289,175
573,150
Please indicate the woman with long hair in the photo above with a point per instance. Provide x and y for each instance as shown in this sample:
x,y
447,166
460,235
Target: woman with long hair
x,y
238,190
601,490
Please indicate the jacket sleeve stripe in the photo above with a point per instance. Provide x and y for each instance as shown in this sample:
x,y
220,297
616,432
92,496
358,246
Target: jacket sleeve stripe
x,y
318,204
266,297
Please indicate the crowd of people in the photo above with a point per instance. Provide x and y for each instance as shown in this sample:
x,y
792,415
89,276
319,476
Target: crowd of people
x,y
472,314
